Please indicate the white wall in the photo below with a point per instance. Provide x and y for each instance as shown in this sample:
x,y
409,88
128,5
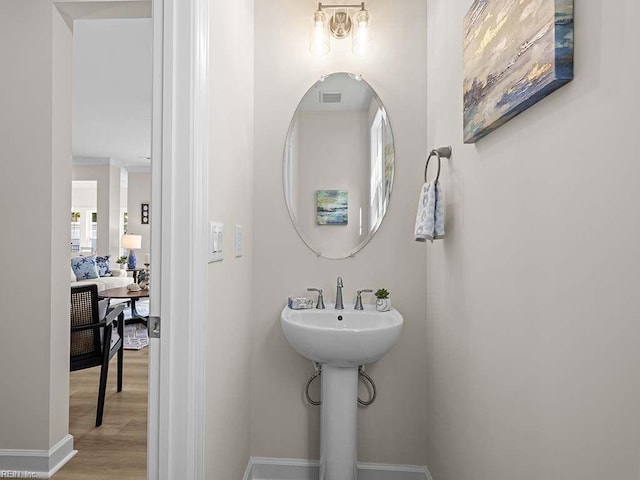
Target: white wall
x,y
112,88
139,192
533,318
393,429
228,379
60,231
36,151
114,212
84,195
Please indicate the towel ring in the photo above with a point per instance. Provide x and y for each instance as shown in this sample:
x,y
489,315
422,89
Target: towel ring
x,y
433,152
439,153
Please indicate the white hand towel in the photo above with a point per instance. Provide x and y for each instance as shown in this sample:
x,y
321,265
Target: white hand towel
x,y
430,216
439,213
425,218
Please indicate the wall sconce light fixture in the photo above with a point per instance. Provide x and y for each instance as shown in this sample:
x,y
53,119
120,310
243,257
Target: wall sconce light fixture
x,y
340,23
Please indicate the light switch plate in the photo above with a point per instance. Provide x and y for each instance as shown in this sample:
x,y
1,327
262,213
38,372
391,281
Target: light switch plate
x,y
216,241
239,241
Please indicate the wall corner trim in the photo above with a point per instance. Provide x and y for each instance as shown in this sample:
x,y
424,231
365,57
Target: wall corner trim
x,y
37,463
248,473
259,468
429,476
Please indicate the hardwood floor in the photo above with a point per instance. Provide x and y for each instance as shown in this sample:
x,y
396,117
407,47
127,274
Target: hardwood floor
x,y
117,449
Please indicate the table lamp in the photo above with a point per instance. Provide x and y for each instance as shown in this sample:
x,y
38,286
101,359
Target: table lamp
x,y
132,242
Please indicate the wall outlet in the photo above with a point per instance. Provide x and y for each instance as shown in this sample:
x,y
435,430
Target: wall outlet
x,y
239,241
216,241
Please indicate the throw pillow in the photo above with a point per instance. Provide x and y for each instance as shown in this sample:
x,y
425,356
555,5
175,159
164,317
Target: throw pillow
x,y
85,267
104,269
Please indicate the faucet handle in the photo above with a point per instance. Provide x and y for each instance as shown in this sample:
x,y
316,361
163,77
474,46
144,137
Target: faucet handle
x,y
320,303
359,298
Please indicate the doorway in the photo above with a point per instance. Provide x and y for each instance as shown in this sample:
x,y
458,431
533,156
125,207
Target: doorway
x,y
111,199
180,138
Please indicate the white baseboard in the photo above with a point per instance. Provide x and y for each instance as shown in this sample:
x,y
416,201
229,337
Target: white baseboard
x,y
261,468
36,463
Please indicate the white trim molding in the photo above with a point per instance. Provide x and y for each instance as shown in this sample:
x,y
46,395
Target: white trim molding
x,y
263,468
36,463
179,238
429,477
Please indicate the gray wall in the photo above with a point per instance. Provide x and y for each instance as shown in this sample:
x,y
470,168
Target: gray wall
x,y
35,194
393,429
139,192
228,329
532,320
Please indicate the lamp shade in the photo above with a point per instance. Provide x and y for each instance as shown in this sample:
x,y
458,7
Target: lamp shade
x,y
362,35
131,242
319,34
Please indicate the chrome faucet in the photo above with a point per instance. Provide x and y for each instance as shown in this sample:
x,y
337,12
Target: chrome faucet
x,y
339,304
320,303
359,298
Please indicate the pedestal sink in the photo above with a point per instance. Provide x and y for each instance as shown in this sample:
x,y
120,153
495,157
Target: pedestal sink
x,y
340,340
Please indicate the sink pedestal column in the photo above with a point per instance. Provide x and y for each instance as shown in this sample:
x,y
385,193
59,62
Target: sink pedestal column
x,y
338,423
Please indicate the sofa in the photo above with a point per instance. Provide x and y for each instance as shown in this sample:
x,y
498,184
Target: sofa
x,y
118,278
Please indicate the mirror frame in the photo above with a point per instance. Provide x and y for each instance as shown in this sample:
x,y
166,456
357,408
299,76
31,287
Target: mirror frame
x,y
352,252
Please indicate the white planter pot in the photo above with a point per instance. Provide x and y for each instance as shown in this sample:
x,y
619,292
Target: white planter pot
x,y
383,304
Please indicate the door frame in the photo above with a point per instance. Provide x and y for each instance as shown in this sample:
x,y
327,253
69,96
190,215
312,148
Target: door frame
x,y
179,212
180,145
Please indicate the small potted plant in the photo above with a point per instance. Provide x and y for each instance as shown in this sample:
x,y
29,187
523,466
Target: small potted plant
x,y
122,261
383,302
143,279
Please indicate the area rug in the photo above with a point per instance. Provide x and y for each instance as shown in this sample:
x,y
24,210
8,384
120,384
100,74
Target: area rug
x,y
135,337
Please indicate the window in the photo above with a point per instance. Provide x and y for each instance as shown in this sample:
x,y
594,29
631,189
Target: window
x,y
75,232
376,189
93,234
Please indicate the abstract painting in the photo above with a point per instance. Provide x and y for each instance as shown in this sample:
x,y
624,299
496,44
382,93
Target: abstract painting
x,y
515,52
332,207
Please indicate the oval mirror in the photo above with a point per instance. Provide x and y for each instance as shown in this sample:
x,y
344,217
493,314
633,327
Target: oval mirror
x,y
338,165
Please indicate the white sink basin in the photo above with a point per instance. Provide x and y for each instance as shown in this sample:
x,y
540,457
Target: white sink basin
x,y
342,338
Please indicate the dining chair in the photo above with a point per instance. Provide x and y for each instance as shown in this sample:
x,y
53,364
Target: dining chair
x,y
94,341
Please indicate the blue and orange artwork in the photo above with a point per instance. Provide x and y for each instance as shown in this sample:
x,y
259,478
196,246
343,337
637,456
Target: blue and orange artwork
x,y
516,52
332,207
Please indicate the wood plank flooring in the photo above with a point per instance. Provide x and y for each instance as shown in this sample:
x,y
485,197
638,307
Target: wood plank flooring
x,y
117,449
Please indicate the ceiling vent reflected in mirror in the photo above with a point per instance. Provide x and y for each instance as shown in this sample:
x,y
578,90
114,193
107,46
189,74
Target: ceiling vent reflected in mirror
x,y
330,97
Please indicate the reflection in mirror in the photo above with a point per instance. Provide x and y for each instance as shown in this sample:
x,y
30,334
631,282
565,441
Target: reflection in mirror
x,y
338,165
